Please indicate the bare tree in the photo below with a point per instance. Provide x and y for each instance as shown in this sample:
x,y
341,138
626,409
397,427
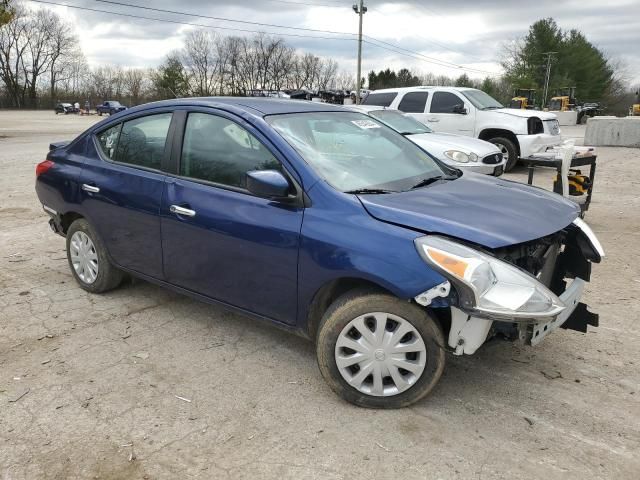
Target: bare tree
x,y
14,47
136,81
63,50
40,29
201,61
327,70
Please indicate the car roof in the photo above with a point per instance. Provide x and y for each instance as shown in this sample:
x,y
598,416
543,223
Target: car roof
x,y
259,106
419,88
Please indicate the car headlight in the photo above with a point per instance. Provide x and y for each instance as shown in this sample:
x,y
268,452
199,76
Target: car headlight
x,y
461,157
489,286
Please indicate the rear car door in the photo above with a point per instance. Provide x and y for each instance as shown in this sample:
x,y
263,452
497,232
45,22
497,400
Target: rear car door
x,y
122,183
415,103
444,114
217,238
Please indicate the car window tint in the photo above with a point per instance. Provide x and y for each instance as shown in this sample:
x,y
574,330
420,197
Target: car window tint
x,y
218,150
108,140
444,102
142,141
380,99
413,102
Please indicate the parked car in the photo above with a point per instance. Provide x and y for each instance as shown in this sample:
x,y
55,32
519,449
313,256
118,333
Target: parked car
x,y
473,113
65,108
110,107
324,222
466,153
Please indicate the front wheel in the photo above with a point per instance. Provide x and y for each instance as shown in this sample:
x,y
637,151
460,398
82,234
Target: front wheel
x,y
508,149
88,259
377,351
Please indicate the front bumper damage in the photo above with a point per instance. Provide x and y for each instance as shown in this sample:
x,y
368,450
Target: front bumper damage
x,y
562,262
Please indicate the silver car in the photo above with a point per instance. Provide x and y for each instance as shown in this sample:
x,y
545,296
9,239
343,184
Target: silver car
x,y
466,153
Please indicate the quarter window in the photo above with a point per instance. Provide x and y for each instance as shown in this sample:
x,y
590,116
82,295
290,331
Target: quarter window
x,y
108,140
220,151
413,102
444,102
379,99
142,141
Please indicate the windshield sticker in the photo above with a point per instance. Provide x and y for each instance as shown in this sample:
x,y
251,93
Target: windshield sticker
x,y
365,124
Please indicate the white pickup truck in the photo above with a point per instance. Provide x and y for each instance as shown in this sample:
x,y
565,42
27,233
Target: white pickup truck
x,y
472,112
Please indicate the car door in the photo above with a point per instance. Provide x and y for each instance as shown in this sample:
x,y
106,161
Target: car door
x,y
449,112
122,183
217,238
415,104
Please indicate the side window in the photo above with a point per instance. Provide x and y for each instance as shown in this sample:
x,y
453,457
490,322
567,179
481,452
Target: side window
x,y
108,140
413,102
380,99
218,150
142,141
444,102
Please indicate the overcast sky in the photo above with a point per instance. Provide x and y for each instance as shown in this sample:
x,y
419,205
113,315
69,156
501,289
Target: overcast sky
x,y
463,32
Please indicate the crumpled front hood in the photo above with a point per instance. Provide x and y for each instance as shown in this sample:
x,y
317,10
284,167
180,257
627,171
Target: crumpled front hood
x,y
477,208
436,143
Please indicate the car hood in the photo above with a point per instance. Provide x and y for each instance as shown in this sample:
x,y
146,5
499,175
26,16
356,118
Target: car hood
x,y
526,113
436,143
477,208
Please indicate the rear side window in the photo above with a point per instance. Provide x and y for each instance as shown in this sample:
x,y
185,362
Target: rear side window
x,y
380,99
220,151
444,102
142,141
413,102
108,140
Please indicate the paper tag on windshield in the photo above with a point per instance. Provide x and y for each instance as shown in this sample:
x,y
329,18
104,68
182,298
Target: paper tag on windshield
x,y
364,124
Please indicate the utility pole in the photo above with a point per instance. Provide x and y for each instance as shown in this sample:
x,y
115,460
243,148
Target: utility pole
x,y
360,9
546,79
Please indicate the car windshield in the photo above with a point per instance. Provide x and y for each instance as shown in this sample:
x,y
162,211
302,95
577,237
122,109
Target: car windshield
x,y
400,122
481,100
354,152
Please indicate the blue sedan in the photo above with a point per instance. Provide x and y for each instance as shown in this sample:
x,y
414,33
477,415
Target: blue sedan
x,y
325,222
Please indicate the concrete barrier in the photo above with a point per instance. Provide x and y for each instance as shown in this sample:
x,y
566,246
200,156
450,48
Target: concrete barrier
x,y
566,118
613,132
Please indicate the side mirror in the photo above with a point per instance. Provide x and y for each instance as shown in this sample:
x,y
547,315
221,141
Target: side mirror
x,y
267,184
460,109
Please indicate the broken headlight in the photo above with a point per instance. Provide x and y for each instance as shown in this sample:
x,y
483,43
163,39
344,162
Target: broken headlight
x,y
488,286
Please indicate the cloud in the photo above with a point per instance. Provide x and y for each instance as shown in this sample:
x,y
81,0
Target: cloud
x,y
469,33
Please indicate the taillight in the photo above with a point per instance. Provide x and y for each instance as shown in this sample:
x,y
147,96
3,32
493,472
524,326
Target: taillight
x,y
42,167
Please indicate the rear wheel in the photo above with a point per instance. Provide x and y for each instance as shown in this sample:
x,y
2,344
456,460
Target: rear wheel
x,y
508,149
88,259
377,351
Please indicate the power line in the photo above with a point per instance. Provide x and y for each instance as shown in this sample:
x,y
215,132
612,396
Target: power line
x,y
209,17
335,4
175,12
177,22
412,53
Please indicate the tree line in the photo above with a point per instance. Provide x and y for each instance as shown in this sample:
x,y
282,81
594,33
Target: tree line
x,y
41,63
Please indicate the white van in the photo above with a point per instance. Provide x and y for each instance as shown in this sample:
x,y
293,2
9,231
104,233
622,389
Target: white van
x,y
471,112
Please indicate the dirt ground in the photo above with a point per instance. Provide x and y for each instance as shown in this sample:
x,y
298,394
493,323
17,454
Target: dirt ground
x,y
144,383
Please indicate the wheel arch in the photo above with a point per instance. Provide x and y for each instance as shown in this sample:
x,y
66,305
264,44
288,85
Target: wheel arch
x,y
330,292
489,133
67,218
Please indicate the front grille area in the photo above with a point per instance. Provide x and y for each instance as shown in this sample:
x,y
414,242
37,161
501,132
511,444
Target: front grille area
x,y
538,257
492,159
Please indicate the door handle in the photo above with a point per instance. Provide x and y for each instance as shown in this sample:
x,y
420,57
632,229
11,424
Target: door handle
x,y
433,120
178,210
90,188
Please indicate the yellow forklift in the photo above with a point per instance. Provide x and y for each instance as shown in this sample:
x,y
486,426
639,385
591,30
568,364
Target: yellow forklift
x,y
524,99
634,110
564,99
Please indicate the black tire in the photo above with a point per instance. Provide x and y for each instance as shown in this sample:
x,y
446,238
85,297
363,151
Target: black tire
x,y
108,277
100,112
510,148
360,302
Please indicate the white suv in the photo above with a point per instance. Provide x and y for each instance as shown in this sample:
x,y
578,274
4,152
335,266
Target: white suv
x,y
471,112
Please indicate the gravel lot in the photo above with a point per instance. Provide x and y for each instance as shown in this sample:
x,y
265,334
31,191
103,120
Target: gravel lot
x,y
145,383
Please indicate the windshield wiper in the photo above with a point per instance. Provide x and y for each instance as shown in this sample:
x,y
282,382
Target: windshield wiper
x,y
372,191
428,181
